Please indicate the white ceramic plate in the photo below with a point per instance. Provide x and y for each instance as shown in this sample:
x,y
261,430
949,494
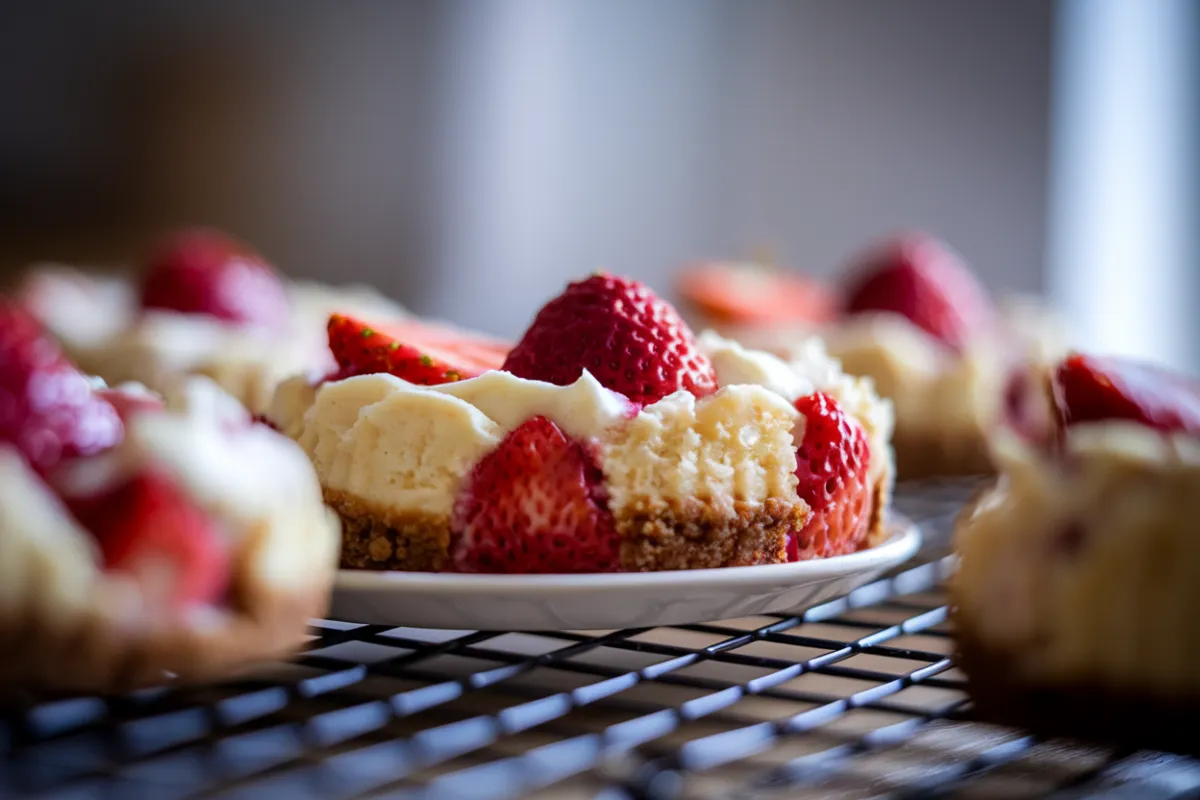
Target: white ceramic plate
x,y
609,601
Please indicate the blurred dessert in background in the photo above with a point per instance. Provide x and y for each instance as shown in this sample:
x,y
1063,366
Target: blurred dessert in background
x,y
204,303
910,315
146,538
608,438
1076,594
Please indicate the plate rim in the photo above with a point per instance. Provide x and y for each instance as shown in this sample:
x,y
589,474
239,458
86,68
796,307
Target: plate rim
x,y
903,542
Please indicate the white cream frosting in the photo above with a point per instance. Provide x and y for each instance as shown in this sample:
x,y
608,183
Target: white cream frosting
x,y
395,445
1116,605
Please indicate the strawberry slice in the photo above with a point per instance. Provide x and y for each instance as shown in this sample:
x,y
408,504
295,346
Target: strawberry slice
x,y
921,279
149,528
630,340
749,294
425,354
535,504
1092,388
831,465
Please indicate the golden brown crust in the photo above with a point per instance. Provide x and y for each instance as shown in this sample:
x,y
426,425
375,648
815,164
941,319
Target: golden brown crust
x,y
696,535
1134,718
411,541
98,651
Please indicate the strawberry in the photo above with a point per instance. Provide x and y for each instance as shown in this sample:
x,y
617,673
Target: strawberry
x,y
535,504
1091,388
421,354
831,465
48,410
148,527
922,280
750,294
630,340
202,271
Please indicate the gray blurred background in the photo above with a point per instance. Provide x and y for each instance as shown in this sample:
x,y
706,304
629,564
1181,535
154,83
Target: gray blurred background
x,y
469,157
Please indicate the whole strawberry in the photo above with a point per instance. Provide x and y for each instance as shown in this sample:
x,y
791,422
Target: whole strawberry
x,y
535,504
919,278
630,340
422,354
831,465
48,409
1092,388
203,271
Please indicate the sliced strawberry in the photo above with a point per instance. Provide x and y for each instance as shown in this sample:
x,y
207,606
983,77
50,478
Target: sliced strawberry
x,y
48,410
1091,388
831,465
202,271
749,294
921,279
149,528
535,504
630,340
425,355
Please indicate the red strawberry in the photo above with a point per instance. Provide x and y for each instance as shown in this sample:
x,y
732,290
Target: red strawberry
x,y
630,340
48,410
921,279
738,293
1091,388
426,355
201,271
148,527
535,504
831,465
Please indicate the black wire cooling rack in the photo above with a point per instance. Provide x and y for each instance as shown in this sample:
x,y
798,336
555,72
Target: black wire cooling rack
x,y
854,698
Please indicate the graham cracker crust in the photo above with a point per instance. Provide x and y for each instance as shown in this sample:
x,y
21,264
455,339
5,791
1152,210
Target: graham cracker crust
x,y
944,454
410,542
1098,714
695,535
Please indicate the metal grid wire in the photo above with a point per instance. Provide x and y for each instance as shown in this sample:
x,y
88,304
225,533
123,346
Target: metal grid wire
x,y
853,698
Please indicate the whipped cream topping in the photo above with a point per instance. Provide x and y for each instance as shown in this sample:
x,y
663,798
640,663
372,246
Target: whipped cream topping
x,y
394,445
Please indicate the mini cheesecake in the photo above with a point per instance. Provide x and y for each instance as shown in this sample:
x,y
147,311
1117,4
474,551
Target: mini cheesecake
x,y
1075,596
603,470
146,538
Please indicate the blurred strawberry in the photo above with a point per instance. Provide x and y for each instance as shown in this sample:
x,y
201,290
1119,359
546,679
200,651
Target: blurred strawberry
x,y
749,294
148,527
921,279
535,504
48,410
630,340
203,271
129,403
1092,388
425,355
831,465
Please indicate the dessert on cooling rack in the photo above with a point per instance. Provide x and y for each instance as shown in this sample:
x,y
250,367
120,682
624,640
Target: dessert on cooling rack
x,y
1078,585
913,317
146,536
608,438
205,304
